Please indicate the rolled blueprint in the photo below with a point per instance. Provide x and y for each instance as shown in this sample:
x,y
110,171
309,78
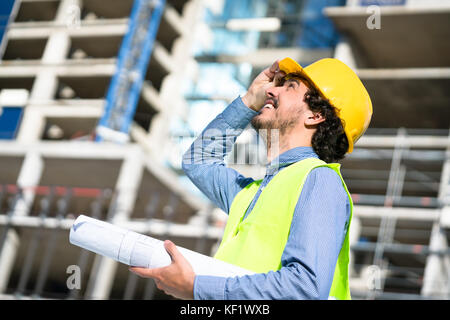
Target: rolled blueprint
x,y
138,250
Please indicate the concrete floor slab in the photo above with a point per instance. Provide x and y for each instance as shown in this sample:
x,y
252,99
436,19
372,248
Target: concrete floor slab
x,y
404,30
44,10
262,58
411,98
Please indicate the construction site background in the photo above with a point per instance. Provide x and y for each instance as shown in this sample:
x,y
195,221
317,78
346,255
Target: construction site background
x,y
100,99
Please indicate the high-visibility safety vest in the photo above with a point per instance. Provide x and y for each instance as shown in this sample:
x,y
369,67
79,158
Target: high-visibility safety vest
x,y
257,242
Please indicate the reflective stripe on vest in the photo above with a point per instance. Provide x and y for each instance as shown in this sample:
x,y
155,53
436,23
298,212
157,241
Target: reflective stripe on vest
x,y
257,242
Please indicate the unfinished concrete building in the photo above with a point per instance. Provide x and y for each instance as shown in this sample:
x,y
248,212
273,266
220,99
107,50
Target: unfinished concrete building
x,y
55,74
399,172
58,62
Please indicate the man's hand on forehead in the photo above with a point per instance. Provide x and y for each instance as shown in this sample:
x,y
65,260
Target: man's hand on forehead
x,y
274,74
256,94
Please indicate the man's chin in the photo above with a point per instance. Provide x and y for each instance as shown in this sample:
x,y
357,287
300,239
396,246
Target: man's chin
x,y
261,122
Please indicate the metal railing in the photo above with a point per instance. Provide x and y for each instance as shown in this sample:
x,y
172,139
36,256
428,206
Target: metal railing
x,y
38,269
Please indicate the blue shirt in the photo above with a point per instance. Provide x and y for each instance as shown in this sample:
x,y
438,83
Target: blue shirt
x,y
318,225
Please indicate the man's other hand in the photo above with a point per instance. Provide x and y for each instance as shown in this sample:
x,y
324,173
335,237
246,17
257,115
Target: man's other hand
x,y
176,279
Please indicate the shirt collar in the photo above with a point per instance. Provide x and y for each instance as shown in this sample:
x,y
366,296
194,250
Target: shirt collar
x,y
288,157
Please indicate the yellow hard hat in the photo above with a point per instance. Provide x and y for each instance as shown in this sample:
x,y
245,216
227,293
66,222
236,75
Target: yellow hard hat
x,y
341,86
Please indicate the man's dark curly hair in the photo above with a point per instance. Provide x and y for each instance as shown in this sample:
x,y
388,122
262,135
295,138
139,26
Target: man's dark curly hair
x,y
329,141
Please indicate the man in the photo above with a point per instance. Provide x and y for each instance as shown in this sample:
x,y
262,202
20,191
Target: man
x,y
291,227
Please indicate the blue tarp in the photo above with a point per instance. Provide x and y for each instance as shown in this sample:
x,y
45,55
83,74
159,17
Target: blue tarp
x,y
6,7
10,118
382,2
318,30
134,57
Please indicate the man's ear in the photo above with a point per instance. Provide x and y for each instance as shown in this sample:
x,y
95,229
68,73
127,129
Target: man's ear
x,y
314,118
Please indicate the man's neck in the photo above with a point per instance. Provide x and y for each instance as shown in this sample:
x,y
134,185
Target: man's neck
x,y
277,145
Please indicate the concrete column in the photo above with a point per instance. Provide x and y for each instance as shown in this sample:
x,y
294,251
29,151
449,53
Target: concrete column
x,y
103,272
7,257
170,92
158,136
353,3
29,177
344,53
46,82
191,18
355,232
32,125
436,275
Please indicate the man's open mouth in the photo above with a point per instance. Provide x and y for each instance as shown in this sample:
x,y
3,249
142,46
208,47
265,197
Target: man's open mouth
x,y
270,104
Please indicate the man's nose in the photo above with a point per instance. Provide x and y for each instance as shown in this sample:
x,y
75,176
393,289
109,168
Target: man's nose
x,y
271,92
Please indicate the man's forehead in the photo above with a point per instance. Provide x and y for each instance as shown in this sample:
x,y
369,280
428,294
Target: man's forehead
x,y
292,80
294,76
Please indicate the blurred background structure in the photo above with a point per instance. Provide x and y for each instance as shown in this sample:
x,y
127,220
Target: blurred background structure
x,y
99,100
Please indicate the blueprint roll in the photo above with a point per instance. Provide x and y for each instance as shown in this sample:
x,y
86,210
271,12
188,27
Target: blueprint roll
x,y
138,250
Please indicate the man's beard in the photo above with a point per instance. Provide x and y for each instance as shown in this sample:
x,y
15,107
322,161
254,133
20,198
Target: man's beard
x,y
283,126
272,130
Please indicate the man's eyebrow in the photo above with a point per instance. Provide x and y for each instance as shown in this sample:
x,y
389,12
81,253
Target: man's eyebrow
x,y
292,79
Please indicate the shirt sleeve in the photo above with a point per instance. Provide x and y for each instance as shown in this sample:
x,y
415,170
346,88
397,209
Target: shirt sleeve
x,y
204,162
317,232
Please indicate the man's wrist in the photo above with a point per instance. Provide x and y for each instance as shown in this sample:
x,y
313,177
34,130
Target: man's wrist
x,y
246,99
237,115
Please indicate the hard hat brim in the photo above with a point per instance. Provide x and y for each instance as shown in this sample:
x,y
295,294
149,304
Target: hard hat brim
x,y
288,65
